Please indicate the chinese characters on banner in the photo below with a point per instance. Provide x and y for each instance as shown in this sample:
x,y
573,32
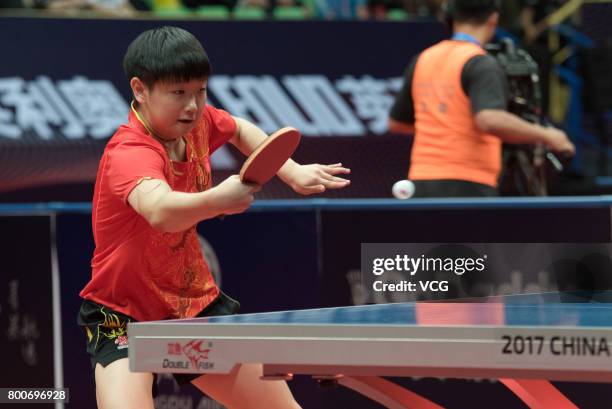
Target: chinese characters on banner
x,y
74,108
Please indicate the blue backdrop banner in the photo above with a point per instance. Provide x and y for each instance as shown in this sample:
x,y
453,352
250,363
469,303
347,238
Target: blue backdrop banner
x,y
63,92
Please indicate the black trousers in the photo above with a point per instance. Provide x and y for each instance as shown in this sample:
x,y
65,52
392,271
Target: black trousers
x,y
452,188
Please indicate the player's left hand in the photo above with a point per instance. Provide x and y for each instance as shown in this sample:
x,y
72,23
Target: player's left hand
x,y
315,178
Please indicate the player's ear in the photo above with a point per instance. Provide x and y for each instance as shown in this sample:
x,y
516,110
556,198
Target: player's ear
x,y
494,19
139,89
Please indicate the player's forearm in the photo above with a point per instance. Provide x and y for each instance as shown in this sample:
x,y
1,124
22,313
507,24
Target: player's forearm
x,y
178,211
247,137
510,128
286,172
400,127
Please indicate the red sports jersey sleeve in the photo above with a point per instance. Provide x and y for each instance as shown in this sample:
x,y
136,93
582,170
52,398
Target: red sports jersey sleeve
x,y
131,162
223,127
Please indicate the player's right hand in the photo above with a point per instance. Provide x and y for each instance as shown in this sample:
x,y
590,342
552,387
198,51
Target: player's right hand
x,y
232,196
557,141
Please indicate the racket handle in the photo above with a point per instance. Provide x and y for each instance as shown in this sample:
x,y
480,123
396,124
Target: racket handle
x,y
554,161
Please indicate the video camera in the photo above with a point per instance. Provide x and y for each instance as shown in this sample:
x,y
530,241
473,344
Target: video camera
x,y
525,170
523,77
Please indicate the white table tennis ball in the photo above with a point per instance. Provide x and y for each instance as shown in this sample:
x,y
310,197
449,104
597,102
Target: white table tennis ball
x,y
403,189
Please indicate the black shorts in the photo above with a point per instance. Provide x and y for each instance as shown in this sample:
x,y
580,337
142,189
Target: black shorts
x,y
106,331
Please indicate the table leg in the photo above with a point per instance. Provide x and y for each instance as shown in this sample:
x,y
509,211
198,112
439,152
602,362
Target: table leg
x,y
387,393
538,394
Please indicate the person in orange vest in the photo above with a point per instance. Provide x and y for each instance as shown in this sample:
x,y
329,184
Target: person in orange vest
x,y
454,100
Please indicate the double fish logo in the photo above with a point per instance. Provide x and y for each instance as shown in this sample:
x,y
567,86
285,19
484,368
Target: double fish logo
x,y
197,352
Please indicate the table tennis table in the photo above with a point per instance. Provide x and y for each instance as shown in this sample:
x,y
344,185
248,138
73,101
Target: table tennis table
x,y
524,341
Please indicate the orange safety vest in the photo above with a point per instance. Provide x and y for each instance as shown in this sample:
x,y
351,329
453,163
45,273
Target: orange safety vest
x,y
447,143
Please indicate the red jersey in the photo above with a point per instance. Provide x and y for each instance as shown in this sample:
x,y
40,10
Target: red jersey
x,y
137,270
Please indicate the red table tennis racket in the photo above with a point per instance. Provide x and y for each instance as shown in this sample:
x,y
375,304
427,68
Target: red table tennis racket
x,y
269,156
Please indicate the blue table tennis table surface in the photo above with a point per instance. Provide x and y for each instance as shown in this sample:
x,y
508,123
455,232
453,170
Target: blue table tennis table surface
x,y
583,309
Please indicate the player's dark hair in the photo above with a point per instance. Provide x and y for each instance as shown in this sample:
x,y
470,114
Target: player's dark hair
x,y
166,54
471,11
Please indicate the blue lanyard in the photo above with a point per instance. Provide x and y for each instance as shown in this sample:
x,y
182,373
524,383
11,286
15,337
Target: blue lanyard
x,y
465,37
